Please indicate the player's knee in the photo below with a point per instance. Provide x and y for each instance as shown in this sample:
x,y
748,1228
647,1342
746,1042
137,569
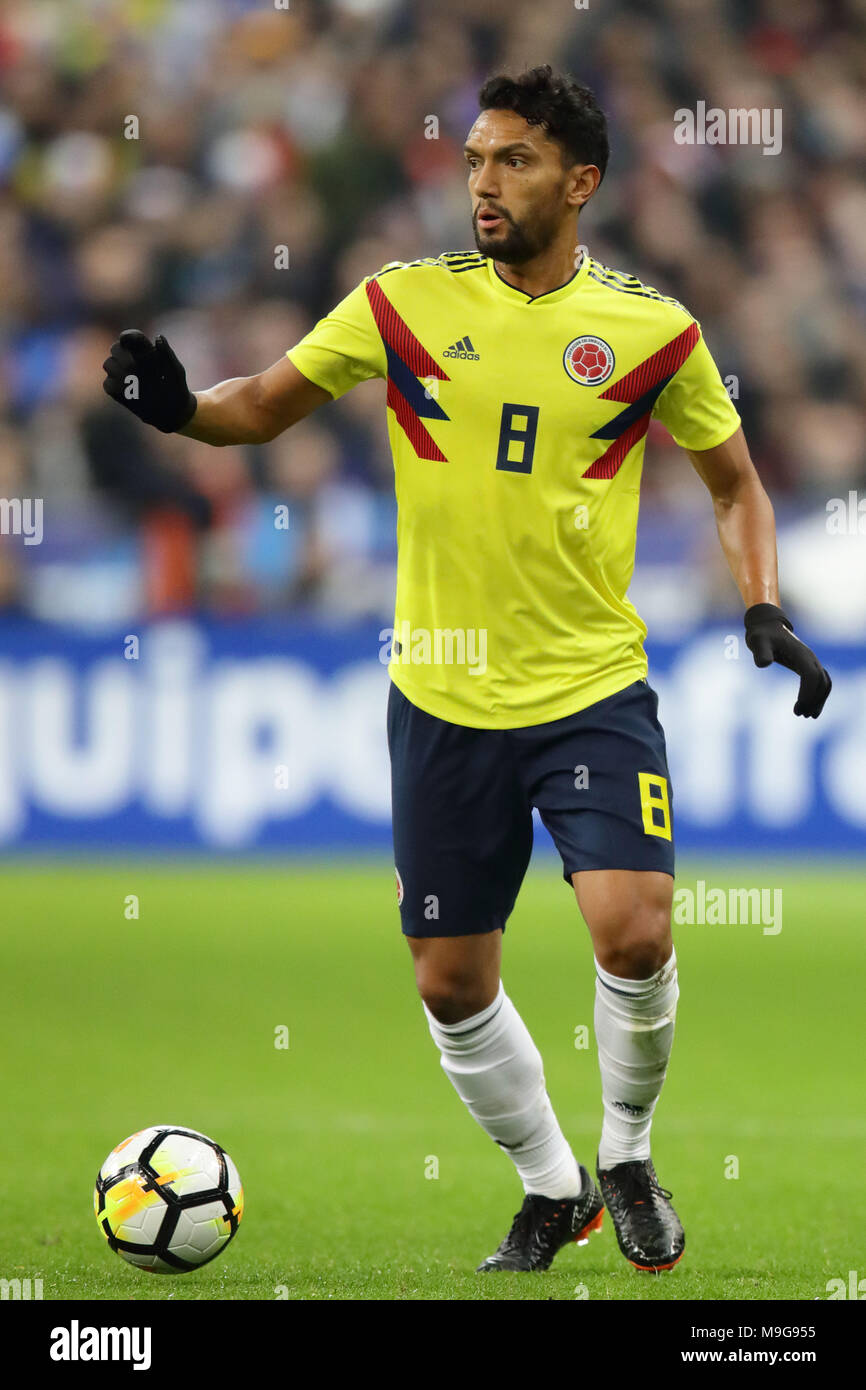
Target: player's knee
x,y
637,961
639,948
452,997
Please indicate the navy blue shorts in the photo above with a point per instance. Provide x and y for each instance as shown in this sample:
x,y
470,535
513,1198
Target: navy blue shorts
x,y
462,804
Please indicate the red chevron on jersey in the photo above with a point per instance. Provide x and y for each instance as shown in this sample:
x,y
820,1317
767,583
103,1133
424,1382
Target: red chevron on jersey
x,y
649,373
408,359
641,388
609,463
419,436
397,334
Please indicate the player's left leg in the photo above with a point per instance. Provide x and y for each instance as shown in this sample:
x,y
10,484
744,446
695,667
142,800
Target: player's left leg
x,y
628,916
613,826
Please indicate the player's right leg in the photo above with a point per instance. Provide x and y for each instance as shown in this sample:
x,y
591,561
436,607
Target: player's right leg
x,y
496,1069
462,841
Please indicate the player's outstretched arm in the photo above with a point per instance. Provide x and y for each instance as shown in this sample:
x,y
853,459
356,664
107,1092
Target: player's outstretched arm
x,y
747,531
147,378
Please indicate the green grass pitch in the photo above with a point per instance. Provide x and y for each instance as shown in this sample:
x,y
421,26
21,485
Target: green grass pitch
x,y
110,1024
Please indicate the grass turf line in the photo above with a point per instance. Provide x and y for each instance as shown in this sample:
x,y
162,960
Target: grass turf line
x,y
109,1025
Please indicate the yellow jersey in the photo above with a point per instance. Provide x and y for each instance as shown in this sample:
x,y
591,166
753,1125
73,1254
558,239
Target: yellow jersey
x,y
517,427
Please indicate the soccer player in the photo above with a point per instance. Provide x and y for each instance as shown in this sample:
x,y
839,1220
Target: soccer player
x,y
521,382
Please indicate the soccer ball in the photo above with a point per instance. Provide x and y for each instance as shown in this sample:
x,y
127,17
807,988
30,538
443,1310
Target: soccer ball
x,y
168,1199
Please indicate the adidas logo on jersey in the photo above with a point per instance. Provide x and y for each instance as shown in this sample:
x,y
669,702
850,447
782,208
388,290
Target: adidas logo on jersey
x,y
462,348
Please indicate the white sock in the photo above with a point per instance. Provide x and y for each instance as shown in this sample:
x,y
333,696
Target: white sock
x,y
496,1069
634,1030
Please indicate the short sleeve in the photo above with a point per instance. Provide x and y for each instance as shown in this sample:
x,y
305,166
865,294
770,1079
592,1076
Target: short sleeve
x,y
695,406
344,348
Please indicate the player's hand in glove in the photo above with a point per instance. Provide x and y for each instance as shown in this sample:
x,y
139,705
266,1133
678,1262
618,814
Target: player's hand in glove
x,y
147,378
770,637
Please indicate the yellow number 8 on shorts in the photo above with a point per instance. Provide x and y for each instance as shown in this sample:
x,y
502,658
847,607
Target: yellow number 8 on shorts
x,y
654,804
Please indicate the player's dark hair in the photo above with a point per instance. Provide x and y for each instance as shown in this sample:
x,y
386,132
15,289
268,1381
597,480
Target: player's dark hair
x,y
564,108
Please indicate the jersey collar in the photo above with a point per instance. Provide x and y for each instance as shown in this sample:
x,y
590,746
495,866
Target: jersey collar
x,y
516,296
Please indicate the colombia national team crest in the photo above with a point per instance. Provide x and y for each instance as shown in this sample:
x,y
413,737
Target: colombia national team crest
x,y
588,360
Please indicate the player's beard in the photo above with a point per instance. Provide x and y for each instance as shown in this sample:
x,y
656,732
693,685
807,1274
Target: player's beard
x,y
520,243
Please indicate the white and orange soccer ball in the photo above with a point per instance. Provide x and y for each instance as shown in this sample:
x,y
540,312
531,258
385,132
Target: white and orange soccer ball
x,y
168,1199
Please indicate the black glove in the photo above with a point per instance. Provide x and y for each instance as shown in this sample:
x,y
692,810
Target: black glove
x,y
770,637
161,397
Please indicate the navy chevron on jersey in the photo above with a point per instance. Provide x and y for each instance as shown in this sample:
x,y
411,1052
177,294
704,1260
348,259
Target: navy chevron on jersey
x,y
517,427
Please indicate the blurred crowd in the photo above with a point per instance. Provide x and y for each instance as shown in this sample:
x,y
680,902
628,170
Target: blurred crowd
x,y
154,154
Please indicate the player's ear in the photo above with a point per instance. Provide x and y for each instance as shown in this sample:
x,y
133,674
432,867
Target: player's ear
x,y
586,178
